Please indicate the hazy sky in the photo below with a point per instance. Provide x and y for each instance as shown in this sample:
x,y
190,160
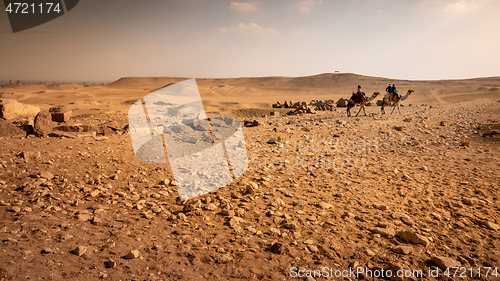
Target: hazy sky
x,y
103,40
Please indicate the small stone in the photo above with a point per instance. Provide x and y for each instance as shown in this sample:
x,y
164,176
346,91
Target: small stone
x,y
79,251
223,258
46,175
84,217
380,207
370,253
313,248
277,248
210,207
469,201
385,232
230,213
407,221
291,225
132,255
445,262
47,251
110,263
492,226
403,250
324,205
412,237
15,209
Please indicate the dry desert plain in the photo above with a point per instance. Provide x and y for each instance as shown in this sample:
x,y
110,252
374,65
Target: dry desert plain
x,y
412,191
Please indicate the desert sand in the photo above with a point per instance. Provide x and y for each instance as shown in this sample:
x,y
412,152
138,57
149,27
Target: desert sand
x,y
411,191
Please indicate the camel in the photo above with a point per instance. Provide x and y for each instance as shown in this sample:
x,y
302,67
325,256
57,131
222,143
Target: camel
x,y
391,98
351,103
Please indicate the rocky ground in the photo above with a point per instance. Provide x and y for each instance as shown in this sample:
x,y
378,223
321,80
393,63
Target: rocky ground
x,y
412,191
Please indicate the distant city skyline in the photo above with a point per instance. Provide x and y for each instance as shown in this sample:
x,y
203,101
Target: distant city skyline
x,y
103,41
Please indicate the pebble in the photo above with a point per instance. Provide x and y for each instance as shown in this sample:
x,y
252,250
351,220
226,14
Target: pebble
x,y
110,263
324,205
133,254
79,251
445,262
412,237
385,232
403,250
313,248
46,175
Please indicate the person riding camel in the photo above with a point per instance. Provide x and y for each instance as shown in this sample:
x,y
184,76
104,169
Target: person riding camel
x,y
358,96
395,92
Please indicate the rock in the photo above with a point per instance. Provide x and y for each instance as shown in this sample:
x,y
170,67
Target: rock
x,y
47,251
407,221
210,207
79,251
342,102
10,109
15,209
133,254
228,213
277,248
84,217
30,155
491,225
412,237
385,232
43,125
110,263
46,175
469,201
445,262
253,123
380,207
403,250
398,128
324,205
313,248
397,215
223,258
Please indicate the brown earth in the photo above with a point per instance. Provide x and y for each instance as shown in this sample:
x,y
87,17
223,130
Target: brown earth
x,y
408,191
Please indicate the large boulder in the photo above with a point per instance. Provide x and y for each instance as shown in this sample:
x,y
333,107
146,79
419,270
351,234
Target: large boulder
x,y
342,102
43,124
11,109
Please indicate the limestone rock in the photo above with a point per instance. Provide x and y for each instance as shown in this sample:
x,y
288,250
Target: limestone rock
x,y
43,124
10,109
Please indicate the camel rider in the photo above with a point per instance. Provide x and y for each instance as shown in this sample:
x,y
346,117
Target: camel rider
x,y
395,92
358,96
389,89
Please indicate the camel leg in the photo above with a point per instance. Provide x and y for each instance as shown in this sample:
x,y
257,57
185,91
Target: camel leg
x,y
364,110
397,104
382,108
361,107
398,109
